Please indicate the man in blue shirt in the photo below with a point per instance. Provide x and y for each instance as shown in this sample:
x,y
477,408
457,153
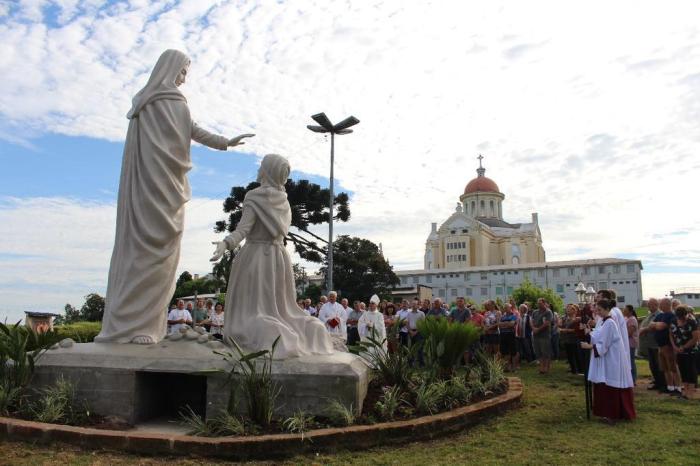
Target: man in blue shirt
x,y
667,357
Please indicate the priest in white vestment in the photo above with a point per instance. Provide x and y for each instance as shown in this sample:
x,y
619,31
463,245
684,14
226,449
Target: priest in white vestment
x,y
332,314
371,323
609,368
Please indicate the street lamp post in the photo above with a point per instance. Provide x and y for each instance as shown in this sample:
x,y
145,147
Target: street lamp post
x,y
340,128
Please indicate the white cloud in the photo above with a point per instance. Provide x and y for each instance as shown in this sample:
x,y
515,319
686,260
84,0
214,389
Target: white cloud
x,y
587,114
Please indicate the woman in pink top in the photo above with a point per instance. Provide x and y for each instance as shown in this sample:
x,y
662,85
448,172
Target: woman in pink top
x,y
633,333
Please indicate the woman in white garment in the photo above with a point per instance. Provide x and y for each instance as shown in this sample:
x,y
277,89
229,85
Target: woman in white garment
x,y
261,296
153,190
609,370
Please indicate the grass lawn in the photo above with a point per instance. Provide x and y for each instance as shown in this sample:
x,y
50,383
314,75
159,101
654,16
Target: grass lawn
x,y
549,428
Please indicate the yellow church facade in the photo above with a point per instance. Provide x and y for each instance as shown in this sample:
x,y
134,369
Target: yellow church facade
x,y
476,234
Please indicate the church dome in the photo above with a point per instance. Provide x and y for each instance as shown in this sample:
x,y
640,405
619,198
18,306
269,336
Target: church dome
x,y
481,184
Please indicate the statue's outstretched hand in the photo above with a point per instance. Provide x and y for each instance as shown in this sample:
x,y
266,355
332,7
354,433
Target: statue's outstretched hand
x,y
220,250
237,140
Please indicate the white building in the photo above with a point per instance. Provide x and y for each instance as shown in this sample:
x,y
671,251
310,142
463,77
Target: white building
x,y
689,296
498,281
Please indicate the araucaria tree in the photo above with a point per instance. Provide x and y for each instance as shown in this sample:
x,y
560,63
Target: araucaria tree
x,y
359,269
309,204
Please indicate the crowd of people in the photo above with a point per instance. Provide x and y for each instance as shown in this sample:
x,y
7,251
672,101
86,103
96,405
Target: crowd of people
x,y
599,340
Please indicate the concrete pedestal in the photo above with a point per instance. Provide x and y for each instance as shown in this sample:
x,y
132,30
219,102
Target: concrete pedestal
x,y
138,383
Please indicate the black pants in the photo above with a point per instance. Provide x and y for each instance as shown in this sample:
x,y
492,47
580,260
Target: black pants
x,y
525,348
417,339
403,338
657,374
353,336
573,355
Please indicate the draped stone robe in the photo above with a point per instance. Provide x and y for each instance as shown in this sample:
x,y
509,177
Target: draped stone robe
x,y
153,190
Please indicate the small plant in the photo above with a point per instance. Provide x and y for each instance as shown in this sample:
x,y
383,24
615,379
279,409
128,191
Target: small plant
x,y
391,400
299,423
257,384
445,344
339,414
429,397
197,424
58,404
475,382
393,368
20,348
494,373
457,392
228,424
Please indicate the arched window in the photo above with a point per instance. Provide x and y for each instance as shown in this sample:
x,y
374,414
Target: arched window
x,y
483,208
473,211
493,211
516,260
515,253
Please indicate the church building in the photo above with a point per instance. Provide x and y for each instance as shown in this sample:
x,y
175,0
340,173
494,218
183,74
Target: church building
x,y
476,234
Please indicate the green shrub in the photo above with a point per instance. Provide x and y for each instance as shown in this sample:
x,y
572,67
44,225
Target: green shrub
x,y
339,414
445,343
429,396
392,398
81,332
299,423
393,368
58,404
224,424
530,293
256,381
20,348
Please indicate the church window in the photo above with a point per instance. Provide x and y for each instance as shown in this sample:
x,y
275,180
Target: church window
x,y
493,212
601,269
630,268
482,204
616,269
516,260
484,291
473,207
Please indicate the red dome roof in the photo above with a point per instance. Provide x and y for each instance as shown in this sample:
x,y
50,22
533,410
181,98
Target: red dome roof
x,y
481,184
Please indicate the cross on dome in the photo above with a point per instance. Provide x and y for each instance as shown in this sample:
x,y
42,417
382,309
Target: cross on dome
x,y
481,170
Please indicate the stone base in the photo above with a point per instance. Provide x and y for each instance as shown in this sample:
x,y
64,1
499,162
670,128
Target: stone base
x,y
141,382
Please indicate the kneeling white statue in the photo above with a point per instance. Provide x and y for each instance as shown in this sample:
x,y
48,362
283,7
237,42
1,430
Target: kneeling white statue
x,y
261,296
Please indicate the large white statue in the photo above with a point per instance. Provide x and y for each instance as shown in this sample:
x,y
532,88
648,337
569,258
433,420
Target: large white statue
x,y
261,296
153,190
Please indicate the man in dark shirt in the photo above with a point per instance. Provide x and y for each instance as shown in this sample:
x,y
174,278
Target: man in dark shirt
x,y
460,314
436,311
667,358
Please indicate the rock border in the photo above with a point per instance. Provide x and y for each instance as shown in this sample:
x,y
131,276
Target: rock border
x,y
266,446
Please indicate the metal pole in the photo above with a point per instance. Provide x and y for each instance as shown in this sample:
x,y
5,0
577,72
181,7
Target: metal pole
x,y
330,223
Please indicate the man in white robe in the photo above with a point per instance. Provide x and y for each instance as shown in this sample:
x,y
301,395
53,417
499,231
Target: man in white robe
x,y
609,369
332,314
371,323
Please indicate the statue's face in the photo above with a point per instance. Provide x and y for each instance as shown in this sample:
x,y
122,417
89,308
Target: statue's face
x,y
182,76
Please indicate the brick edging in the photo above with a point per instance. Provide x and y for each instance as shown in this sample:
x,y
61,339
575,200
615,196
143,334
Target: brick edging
x,y
265,446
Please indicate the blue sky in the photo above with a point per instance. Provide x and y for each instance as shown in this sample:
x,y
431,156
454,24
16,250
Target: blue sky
x,y
594,129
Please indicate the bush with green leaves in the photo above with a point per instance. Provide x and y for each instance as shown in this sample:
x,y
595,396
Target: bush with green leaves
x,y
81,332
530,293
255,381
224,424
299,423
429,397
391,400
339,415
58,404
393,368
20,348
444,344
